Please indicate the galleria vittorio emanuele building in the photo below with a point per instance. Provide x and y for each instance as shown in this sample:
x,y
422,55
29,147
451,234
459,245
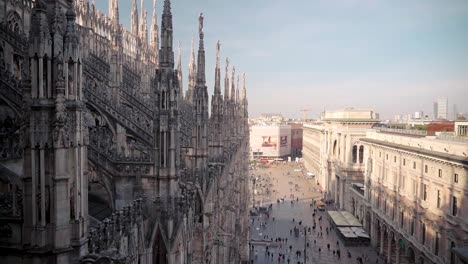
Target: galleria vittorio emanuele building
x,y
104,156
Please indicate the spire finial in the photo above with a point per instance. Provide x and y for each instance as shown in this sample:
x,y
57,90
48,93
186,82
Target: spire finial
x,y
201,79
237,89
200,24
218,51
166,54
134,26
244,90
217,89
226,81
233,85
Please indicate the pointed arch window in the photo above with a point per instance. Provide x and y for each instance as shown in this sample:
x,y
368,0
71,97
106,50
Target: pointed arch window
x,y
14,22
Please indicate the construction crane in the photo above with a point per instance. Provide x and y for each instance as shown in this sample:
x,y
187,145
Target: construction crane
x,y
304,114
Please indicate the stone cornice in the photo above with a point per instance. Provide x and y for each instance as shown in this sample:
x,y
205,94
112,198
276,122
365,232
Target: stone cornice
x,y
418,151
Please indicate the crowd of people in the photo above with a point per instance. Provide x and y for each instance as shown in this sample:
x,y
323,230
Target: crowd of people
x,y
308,241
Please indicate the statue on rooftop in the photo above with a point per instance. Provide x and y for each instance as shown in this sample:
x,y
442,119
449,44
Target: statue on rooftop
x,y
200,23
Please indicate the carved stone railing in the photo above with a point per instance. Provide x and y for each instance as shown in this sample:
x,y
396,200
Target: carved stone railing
x,y
17,40
131,95
10,89
97,68
10,145
132,119
108,235
102,142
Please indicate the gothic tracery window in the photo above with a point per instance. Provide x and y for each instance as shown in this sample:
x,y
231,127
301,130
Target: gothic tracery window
x,y
14,22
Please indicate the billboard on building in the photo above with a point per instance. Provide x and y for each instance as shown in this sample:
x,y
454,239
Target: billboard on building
x,y
270,140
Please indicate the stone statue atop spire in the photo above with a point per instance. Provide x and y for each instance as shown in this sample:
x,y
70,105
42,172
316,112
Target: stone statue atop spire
x,y
200,24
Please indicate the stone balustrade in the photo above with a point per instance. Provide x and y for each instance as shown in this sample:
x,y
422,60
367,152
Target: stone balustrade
x,y
109,233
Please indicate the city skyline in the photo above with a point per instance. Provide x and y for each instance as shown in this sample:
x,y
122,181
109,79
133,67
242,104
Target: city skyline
x,y
327,55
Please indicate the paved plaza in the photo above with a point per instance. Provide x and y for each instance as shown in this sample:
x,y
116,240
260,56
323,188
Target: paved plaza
x,y
274,230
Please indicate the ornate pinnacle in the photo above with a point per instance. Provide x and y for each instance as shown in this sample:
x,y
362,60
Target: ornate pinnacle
x,y
244,90
217,69
200,24
218,50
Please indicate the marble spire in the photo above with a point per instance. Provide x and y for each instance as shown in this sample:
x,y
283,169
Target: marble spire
x,y
226,81
217,88
154,31
134,23
166,53
143,23
192,72
201,77
233,85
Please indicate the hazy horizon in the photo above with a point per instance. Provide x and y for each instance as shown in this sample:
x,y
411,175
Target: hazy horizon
x,y
320,54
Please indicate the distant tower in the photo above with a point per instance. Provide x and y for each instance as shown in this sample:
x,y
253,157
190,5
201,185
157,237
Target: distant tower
x,y
455,112
442,108
435,109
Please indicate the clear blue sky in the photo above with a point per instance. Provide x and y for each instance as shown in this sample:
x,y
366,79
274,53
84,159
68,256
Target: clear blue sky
x,y
392,56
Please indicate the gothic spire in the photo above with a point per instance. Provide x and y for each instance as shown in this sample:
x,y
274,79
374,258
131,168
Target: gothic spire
x,y
135,24
244,90
114,11
154,38
144,28
143,23
179,70
192,71
226,81
166,54
201,78
217,88
237,90
233,85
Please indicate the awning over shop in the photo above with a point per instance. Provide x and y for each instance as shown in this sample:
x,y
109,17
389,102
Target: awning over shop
x,y
349,229
344,219
353,232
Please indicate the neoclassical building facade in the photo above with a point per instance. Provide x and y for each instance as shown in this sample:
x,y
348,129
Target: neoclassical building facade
x,y
408,190
104,158
415,196
333,152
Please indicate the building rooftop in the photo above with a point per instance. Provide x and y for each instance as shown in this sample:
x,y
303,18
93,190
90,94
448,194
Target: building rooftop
x,y
350,115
